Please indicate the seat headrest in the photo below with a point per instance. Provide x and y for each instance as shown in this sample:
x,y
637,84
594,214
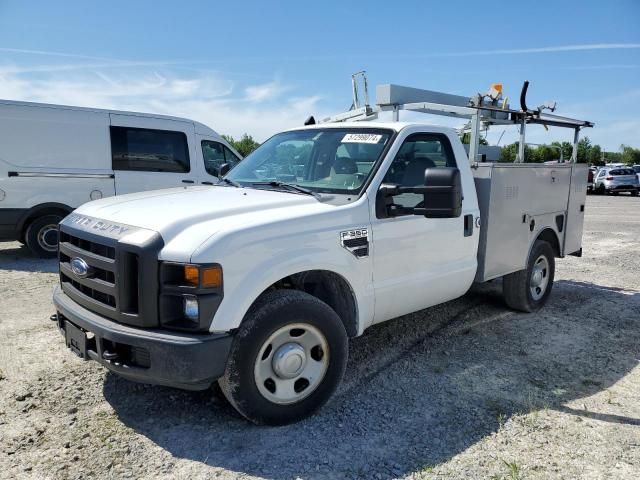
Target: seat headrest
x,y
345,165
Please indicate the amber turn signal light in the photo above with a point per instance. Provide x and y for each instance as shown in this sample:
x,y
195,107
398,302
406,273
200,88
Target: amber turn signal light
x,y
203,277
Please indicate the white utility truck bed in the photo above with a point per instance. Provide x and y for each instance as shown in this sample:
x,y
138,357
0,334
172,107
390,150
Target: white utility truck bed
x,y
515,200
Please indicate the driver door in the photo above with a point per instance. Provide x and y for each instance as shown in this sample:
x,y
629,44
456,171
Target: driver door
x,y
419,262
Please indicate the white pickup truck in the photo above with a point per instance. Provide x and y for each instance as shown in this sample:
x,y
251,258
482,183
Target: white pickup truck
x,y
259,282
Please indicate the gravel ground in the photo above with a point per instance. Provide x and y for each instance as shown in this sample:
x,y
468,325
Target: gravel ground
x,y
464,390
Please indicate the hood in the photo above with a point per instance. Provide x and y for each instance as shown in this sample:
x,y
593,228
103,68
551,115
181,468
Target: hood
x,y
172,211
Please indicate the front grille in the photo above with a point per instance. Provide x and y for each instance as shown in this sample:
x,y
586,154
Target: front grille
x,y
99,288
122,281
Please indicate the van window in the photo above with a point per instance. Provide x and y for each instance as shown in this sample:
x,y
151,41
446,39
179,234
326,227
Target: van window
x,y
149,150
215,154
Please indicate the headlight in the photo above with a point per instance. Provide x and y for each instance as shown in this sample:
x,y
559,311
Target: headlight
x,y
189,295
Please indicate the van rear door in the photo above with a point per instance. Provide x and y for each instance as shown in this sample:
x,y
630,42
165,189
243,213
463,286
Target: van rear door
x,y
151,153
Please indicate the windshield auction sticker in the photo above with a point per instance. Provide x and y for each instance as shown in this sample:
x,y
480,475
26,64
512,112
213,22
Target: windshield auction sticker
x,y
361,138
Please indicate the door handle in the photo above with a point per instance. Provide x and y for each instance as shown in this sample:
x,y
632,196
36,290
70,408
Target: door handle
x,y
468,225
207,183
188,181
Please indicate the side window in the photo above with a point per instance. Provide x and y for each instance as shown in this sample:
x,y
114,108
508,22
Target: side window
x,y
213,155
230,157
417,153
148,150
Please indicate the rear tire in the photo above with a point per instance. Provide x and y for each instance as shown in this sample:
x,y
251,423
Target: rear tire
x,y
41,236
528,290
635,193
287,358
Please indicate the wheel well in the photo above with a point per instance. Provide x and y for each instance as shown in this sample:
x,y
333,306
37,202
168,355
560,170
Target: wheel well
x,y
329,287
40,211
549,236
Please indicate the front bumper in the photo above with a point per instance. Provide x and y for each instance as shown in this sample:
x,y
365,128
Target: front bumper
x,y
174,359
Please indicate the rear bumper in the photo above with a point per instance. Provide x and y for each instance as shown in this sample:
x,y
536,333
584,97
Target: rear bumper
x,y
622,188
174,359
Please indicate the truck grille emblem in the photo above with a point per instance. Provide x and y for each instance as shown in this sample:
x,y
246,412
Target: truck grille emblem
x,y
79,267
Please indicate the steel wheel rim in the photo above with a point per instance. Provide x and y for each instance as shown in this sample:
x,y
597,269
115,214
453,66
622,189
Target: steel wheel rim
x,y
291,363
539,277
45,236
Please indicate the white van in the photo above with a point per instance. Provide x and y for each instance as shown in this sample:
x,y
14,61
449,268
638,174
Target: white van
x,y
55,158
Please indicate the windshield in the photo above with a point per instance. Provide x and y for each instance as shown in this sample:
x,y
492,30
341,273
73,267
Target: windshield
x,y
329,160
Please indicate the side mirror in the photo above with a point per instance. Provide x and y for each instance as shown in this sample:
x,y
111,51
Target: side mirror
x,y
442,191
223,169
443,194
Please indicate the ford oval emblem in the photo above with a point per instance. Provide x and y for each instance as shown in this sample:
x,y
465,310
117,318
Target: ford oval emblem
x,y
79,267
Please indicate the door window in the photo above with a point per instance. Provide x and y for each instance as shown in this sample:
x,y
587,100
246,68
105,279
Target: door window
x,y
418,152
148,150
215,154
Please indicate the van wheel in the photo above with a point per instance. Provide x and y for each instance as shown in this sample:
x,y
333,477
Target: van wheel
x,y
529,289
41,236
287,358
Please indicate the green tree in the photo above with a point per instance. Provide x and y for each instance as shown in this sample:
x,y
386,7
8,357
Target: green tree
x,y
244,146
567,149
595,156
584,147
466,138
630,155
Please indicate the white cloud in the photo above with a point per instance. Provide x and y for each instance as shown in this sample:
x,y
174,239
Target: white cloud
x,y
259,109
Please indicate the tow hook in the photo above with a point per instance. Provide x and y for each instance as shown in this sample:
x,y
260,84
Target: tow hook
x,y
54,317
109,356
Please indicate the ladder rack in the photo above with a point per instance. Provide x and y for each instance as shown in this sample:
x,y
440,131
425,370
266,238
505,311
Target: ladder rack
x,y
481,109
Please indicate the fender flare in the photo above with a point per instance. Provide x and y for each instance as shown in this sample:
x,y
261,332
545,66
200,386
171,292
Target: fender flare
x,y
39,210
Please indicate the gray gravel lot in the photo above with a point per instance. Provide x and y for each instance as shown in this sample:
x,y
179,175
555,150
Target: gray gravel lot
x,y
465,390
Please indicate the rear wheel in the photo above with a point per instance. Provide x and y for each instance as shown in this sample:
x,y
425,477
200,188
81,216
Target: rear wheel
x,y
287,358
528,290
41,236
634,193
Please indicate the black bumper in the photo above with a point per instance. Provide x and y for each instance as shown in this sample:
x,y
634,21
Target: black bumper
x,y
174,359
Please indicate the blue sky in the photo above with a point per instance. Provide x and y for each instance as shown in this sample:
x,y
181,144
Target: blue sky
x,y
258,68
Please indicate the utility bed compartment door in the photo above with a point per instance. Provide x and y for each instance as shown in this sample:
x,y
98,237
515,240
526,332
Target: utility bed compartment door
x,y
517,202
575,210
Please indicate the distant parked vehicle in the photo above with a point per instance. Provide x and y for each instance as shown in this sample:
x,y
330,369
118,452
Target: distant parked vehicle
x,y
616,180
54,158
590,176
636,168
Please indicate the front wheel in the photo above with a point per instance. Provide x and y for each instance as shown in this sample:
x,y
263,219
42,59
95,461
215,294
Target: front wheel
x,y
528,290
634,193
287,359
41,236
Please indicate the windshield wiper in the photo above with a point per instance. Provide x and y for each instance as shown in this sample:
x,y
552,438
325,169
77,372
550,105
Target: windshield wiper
x,y
228,181
290,186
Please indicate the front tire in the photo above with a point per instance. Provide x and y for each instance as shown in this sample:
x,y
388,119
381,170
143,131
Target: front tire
x,y
528,290
41,236
287,358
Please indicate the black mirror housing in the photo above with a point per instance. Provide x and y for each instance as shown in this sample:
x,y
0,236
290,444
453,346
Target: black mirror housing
x,y
443,193
223,169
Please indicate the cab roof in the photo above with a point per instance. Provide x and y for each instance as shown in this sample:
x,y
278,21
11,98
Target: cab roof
x,y
395,126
